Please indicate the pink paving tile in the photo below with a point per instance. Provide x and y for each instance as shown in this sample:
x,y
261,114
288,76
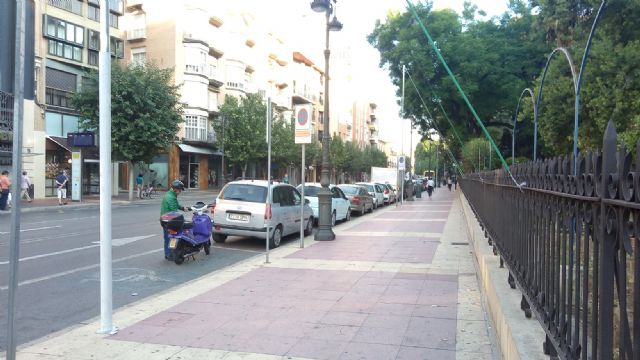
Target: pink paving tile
x,y
435,213
318,349
270,344
332,332
387,321
418,353
446,311
392,309
364,351
431,333
403,226
378,335
344,318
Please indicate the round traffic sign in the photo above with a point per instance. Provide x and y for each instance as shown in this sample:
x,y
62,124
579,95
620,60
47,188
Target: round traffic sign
x,y
303,117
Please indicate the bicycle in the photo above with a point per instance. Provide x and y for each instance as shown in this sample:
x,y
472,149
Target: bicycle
x,y
149,192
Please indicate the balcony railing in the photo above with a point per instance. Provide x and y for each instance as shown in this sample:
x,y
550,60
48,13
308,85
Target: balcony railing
x,y
198,69
73,6
137,34
196,134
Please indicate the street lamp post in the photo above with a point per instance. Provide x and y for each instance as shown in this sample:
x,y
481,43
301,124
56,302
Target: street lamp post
x,y
325,232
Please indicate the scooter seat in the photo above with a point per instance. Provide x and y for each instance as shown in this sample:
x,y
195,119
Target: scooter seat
x,y
187,225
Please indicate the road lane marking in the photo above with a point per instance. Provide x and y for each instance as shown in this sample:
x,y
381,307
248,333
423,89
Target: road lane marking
x,y
40,239
58,220
35,229
52,254
73,271
125,241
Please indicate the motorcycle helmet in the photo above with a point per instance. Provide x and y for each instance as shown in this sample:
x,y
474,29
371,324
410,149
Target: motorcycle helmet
x,y
177,184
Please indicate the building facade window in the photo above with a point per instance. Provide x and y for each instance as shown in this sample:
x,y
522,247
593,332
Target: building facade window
x,y
117,47
139,56
64,39
93,12
57,124
93,40
196,127
196,60
93,58
113,20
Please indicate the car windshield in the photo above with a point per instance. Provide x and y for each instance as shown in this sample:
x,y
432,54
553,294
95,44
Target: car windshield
x,y
311,191
369,187
245,192
349,190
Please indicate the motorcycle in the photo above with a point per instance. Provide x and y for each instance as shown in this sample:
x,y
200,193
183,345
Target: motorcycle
x,y
187,238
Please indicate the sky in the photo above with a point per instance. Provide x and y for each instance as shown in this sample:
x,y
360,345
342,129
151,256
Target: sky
x,y
359,18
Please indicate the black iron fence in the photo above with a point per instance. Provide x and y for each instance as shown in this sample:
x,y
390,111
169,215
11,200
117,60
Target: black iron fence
x,y
6,128
572,246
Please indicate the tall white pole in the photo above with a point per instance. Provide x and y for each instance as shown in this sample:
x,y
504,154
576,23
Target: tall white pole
x,y
402,136
269,190
302,202
18,113
106,297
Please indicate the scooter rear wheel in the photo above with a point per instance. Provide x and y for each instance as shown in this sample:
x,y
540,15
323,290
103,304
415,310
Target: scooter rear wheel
x,y
178,256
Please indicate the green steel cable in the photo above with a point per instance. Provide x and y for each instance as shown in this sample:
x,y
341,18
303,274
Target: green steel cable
x,y
455,81
455,133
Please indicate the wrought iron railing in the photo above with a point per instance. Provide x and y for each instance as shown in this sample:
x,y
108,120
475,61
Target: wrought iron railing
x,y
74,6
572,246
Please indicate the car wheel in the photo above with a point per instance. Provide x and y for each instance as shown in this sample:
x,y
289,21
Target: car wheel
x,y
276,238
309,228
333,219
363,210
207,247
219,238
348,217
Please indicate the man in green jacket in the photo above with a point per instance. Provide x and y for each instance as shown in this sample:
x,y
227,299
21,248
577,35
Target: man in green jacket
x,y
169,204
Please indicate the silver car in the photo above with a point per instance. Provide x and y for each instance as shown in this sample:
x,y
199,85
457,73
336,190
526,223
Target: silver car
x,y
376,191
241,209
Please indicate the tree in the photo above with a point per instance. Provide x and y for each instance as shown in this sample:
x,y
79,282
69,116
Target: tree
x,y
145,112
243,125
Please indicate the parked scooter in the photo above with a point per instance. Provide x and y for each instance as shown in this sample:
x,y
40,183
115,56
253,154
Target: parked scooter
x,y
187,238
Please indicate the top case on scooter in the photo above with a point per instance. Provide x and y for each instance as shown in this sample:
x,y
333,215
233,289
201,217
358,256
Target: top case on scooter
x,y
172,220
201,225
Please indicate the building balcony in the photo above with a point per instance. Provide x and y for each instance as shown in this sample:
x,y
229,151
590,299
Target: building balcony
x,y
194,35
372,115
196,69
373,139
134,5
373,126
197,134
215,76
282,102
74,6
137,34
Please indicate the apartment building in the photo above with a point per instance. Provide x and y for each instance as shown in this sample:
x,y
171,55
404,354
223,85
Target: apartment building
x,y
67,42
216,49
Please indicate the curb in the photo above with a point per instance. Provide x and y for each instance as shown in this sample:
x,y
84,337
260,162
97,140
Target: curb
x,y
517,336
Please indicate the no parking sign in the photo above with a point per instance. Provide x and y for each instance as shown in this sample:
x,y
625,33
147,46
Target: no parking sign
x,y
303,124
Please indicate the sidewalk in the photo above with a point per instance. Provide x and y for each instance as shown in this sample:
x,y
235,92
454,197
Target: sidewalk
x,y
122,198
397,284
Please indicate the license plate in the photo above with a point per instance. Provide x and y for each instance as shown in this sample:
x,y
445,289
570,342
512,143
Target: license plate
x,y
173,243
239,217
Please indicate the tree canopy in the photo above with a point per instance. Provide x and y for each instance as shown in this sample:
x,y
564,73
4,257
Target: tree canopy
x,y
496,59
145,110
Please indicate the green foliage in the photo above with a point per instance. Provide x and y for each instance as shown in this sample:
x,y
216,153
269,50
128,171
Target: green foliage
x,y
145,110
347,157
494,60
242,129
284,151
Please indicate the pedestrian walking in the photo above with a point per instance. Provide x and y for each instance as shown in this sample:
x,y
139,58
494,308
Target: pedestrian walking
x,y
285,179
61,182
430,186
139,181
25,184
455,182
169,204
5,188
449,183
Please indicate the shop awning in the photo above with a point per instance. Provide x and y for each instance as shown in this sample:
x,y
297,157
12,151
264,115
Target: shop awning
x,y
60,141
199,150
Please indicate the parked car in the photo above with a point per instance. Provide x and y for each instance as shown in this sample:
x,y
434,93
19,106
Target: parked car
x,y
376,192
339,202
388,193
241,209
360,199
